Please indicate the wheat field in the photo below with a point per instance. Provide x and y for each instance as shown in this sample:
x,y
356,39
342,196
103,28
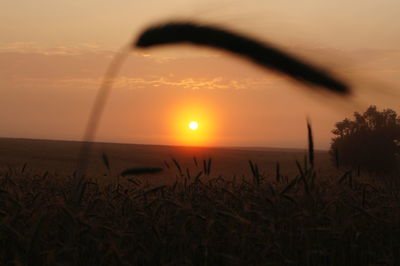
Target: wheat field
x,y
200,217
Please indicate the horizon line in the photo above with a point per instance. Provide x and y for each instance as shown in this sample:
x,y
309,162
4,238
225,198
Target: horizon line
x,y
171,145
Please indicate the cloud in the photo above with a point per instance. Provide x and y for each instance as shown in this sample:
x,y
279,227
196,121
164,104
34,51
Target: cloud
x,y
186,83
130,83
36,48
29,65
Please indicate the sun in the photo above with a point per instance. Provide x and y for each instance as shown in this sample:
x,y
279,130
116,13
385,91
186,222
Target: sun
x,y
193,125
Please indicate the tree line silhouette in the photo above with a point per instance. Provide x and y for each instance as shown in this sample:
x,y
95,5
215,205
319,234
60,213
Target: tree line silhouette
x,y
370,141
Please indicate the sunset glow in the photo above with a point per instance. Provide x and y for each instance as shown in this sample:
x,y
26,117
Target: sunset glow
x,y
193,125
51,71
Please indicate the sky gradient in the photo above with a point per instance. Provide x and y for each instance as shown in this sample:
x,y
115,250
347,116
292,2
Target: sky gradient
x,y
53,55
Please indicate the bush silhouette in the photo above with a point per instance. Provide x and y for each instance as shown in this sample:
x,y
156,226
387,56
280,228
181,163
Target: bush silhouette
x,y
370,141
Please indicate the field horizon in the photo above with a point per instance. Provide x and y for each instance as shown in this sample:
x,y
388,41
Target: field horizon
x,y
60,157
238,147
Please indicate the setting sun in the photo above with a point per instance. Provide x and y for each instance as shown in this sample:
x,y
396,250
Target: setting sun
x,y
193,125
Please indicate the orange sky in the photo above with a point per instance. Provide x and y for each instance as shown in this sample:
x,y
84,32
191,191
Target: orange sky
x,y
54,53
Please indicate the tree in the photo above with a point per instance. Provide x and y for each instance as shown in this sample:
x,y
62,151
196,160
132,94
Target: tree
x,y
370,141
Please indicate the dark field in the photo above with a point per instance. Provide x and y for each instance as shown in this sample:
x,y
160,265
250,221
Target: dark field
x,y
60,157
207,215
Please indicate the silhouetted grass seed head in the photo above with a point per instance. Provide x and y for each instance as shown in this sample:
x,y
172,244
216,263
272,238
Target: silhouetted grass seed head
x,y
262,54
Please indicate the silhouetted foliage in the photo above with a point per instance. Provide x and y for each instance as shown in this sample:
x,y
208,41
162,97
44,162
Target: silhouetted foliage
x,y
369,142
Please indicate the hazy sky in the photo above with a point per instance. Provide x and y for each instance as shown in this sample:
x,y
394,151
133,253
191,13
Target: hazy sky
x,y
54,53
